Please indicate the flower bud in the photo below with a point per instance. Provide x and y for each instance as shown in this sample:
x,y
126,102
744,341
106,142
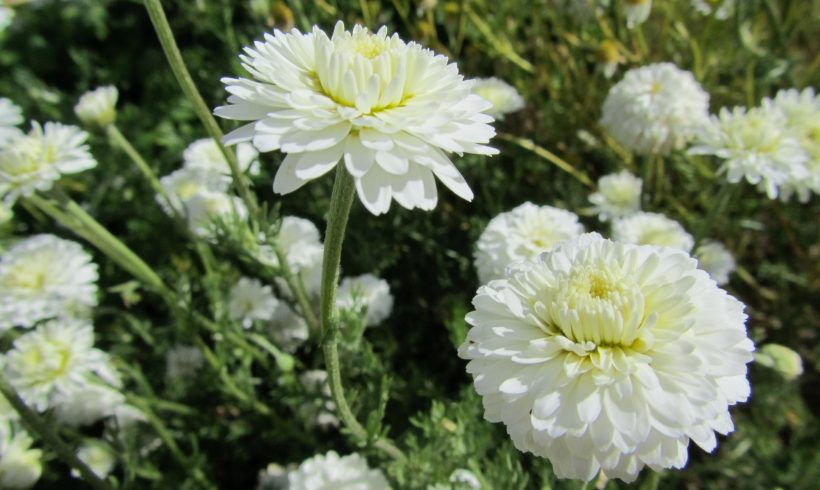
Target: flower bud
x,y
782,359
98,107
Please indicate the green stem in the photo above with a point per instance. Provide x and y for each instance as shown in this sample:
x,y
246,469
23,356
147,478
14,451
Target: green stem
x,y
186,83
719,204
46,431
117,138
341,201
548,156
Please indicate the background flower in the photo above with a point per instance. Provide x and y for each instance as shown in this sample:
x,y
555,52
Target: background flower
x,y
368,292
10,117
249,300
504,98
98,107
618,195
652,229
330,472
714,258
205,153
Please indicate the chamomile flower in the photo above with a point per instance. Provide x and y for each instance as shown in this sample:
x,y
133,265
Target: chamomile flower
x,y
300,243
331,472
287,329
249,300
36,160
10,117
714,258
608,356
637,11
652,229
205,153
504,98
521,234
44,276
368,292
782,359
655,109
618,195
205,209
20,465
98,107
390,110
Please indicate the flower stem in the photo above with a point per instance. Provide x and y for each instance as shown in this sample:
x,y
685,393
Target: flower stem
x,y
341,201
46,431
548,156
118,139
186,83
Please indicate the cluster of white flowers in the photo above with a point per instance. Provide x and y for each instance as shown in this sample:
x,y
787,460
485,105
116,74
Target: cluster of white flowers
x,y
608,356
249,300
98,107
318,408
655,109
722,9
390,110
368,293
20,465
329,472
636,11
521,234
34,161
618,195
652,229
10,117
42,277
504,98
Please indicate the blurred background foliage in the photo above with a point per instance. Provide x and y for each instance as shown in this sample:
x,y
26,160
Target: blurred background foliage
x,y
55,50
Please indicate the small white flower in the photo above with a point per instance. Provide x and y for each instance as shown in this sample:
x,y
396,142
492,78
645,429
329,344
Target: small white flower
x,y
723,9
98,107
521,234
391,110
249,300
56,359
462,479
205,153
183,184
36,160
802,113
98,456
87,405
204,209
637,11
618,195
273,477
42,277
369,292
10,117
318,409
332,472
20,466
608,356
299,241
655,109
782,359
287,329
756,145
714,258
504,98
182,362
652,229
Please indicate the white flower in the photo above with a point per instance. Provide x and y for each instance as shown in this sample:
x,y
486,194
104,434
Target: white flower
x,y
6,17
98,107
609,57
298,239
782,359
802,113
608,356
10,117
98,456
714,258
318,409
652,229
87,405
618,195
20,466
42,277
249,300
637,11
503,96
56,359
756,145
182,362
287,329
655,109
183,184
36,160
521,234
204,209
273,477
205,153
369,292
332,472
462,479
391,110
723,9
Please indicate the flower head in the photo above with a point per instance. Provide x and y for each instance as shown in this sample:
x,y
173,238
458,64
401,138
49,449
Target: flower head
x,y
299,241
756,145
58,358
205,153
98,107
36,160
714,258
249,300
782,359
331,471
503,96
42,277
608,356
10,117
390,110
637,11
655,109
87,405
652,229
367,291
98,456
287,329
20,465
618,195
521,234
200,194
